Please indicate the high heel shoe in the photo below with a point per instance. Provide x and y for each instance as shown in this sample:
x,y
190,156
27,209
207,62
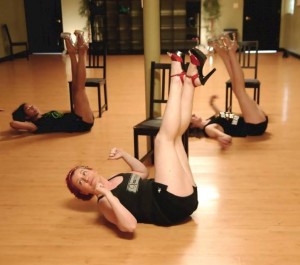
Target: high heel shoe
x,y
81,42
65,35
70,45
198,58
78,32
229,41
178,57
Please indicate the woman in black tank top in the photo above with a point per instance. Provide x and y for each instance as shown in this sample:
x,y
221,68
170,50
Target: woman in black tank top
x,y
224,125
170,196
29,118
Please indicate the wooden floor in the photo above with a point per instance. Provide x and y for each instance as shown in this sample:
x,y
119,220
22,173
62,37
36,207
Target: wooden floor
x,y
249,195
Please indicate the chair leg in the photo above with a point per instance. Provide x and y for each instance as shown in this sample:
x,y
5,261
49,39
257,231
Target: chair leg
x,y
27,53
11,53
230,101
258,94
136,145
71,96
105,96
152,148
99,101
226,98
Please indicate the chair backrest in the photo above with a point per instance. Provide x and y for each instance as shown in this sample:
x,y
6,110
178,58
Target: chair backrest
x,y
248,55
5,28
160,77
97,54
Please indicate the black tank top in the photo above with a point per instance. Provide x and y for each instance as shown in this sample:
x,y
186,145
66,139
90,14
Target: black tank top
x,y
150,202
136,195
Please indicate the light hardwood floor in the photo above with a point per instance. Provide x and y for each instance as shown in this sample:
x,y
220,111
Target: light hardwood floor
x,y
249,195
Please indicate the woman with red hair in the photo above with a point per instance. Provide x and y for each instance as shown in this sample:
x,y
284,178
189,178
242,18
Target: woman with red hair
x,y
170,197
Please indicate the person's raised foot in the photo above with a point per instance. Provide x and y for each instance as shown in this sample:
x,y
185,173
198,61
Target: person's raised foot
x,y
230,44
198,59
81,43
78,32
178,57
65,35
71,48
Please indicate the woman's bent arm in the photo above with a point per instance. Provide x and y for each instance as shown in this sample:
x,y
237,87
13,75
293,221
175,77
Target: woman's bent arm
x,y
136,166
116,213
23,126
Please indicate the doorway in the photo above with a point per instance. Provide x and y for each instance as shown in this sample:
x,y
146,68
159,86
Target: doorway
x,y
44,25
261,21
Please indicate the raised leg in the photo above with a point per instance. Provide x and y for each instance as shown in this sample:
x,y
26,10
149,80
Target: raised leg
x,y
251,112
80,100
171,162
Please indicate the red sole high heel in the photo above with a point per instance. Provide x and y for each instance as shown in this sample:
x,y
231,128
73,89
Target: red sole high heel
x,y
177,57
198,58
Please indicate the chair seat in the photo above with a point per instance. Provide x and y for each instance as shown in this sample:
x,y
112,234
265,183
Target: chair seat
x,y
94,81
252,83
148,127
249,82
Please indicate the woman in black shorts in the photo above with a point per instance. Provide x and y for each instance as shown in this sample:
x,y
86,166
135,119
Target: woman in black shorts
x,y
29,118
171,196
224,125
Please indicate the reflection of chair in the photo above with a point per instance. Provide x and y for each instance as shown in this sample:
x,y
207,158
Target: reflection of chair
x,y
158,99
248,58
13,44
97,60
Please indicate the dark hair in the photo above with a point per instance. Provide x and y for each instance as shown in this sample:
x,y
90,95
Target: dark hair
x,y
73,189
19,114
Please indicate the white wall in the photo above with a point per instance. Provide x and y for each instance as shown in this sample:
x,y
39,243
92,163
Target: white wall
x,y
70,16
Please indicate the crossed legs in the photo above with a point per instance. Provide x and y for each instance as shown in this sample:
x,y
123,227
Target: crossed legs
x,y
251,112
81,103
171,162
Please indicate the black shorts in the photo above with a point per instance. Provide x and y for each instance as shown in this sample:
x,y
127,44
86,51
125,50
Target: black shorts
x,y
256,129
74,123
175,208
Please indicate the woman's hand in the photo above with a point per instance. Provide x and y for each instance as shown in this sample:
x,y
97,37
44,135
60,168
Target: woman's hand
x,y
115,154
100,189
225,141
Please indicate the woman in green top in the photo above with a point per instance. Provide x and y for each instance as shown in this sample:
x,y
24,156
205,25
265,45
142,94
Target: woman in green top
x,y
28,117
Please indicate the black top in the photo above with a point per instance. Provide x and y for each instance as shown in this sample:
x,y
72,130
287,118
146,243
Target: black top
x,y
136,195
54,121
232,124
150,202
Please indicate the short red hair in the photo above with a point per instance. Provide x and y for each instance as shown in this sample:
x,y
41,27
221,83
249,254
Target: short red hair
x,y
73,189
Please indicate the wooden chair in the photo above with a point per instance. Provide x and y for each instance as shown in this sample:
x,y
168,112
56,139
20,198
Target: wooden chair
x,y
97,54
248,58
150,127
13,44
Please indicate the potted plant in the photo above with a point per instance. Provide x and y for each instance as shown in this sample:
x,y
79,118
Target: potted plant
x,y
212,12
